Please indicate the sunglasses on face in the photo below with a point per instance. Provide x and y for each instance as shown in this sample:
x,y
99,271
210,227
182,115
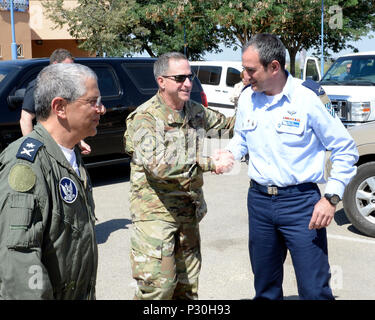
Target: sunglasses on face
x,y
180,78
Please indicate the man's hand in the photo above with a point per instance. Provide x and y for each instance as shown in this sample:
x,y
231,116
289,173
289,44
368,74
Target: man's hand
x,y
322,215
85,148
223,160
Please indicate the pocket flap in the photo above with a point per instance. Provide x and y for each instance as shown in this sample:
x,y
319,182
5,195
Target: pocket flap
x,y
22,205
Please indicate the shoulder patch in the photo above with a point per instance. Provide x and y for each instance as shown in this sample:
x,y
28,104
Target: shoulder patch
x,y
319,91
28,149
21,178
314,86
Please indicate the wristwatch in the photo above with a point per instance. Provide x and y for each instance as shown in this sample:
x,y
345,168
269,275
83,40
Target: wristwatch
x,y
334,199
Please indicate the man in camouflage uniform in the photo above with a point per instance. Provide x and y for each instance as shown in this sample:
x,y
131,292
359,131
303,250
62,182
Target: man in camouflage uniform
x,y
165,138
47,241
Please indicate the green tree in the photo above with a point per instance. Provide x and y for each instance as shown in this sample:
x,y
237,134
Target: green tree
x,y
120,27
298,23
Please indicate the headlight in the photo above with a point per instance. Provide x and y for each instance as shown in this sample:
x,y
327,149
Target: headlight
x,y
360,111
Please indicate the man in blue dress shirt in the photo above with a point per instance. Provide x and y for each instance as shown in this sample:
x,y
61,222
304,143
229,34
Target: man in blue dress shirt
x,y
286,129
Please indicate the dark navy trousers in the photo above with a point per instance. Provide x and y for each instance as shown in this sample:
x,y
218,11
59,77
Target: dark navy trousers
x,y
278,223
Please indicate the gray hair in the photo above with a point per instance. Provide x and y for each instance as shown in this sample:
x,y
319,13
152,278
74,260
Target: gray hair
x,y
65,80
161,66
269,48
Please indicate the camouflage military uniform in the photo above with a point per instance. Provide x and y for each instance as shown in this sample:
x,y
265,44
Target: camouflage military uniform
x,y
47,242
166,197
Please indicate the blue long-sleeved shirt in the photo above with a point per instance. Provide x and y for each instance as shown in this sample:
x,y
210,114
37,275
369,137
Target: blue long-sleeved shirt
x,y
287,139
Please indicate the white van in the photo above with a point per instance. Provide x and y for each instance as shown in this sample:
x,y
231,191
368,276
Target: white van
x,y
218,79
349,83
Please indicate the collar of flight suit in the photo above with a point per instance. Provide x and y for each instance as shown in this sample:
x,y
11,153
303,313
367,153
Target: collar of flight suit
x,y
55,151
174,117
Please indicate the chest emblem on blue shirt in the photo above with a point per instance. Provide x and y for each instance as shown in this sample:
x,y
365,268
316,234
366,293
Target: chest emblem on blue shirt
x,y
68,190
291,122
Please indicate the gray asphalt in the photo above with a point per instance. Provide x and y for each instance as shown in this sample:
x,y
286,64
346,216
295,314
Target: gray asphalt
x,y
226,272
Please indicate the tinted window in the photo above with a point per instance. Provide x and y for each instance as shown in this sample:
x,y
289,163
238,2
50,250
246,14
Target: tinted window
x,y
233,77
4,71
208,74
358,70
311,71
142,75
107,81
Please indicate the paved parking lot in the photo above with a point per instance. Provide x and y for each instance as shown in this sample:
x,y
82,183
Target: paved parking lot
x,y
226,272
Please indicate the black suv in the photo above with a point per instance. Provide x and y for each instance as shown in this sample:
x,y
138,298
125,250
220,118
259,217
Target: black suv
x,y
124,84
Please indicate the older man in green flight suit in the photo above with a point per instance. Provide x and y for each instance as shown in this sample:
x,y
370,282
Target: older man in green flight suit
x,y
48,248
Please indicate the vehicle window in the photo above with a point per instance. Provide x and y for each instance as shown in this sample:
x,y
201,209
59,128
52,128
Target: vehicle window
x,y
4,72
233,77
359,70
311,71
142,75
208,74
107,82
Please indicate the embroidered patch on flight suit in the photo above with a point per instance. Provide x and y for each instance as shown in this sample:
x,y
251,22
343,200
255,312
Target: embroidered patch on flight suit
x,y
68,190
21,178
28,149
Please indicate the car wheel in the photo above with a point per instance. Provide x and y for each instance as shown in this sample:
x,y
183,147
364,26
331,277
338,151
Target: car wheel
x,y
359,199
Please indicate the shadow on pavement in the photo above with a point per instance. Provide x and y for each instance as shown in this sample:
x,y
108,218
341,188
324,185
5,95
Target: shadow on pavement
x,y
341,219
103,230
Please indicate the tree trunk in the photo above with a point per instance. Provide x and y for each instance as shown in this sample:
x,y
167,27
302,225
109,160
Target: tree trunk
x,y
292,56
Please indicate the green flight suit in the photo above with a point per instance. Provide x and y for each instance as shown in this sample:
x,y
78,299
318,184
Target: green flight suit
x,y
166,196
48,247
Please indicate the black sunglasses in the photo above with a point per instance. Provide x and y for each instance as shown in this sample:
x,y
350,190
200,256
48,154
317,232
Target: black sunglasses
x,y
180,78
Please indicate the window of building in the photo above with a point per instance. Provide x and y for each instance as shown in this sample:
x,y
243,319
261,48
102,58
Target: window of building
x,y
20,51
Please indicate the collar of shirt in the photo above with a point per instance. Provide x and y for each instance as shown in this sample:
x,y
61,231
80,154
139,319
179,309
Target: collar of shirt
x,y
53,148
260,98
172,116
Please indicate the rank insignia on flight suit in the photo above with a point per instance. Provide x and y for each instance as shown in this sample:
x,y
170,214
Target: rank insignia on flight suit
x,y
28,149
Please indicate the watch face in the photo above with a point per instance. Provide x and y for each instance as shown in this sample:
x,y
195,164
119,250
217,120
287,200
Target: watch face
x,y
335,199
332,198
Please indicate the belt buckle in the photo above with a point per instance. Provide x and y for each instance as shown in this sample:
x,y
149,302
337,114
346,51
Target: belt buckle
x,y
272,190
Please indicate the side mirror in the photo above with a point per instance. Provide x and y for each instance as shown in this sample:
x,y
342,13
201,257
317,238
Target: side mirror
x,y
15,102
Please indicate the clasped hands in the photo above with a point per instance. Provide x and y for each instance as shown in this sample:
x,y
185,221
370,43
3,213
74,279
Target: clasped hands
x,y
223,160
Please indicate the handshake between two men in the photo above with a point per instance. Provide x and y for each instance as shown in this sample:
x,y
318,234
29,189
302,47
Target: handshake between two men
x,y
223,160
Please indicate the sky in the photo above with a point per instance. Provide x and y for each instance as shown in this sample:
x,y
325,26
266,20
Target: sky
x,y
228,54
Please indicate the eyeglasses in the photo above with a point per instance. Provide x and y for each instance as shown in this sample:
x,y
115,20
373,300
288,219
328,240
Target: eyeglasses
x,y
96,102
180,78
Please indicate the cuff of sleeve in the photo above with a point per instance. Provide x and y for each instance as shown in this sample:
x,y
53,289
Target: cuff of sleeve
x,y
335,187
236,155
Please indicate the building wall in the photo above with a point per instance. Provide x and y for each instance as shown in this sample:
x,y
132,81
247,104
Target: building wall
x,y
44,48
36,33
22,34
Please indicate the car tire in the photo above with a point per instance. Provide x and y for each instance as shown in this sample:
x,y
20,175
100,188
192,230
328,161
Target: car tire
x,y
359,199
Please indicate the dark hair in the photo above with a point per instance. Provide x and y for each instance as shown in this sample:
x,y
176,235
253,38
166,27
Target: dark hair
x,y
59,55
269,48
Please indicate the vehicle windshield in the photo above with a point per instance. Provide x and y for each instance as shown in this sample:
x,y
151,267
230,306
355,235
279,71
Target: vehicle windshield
x,y
4,73
354,70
